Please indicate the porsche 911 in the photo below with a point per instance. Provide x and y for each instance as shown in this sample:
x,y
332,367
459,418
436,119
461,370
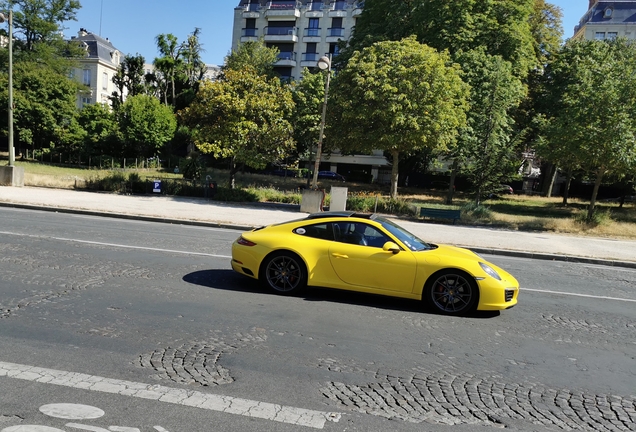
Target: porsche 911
x,y
371,254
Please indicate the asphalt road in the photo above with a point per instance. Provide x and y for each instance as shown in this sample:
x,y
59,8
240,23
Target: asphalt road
x,y
118,325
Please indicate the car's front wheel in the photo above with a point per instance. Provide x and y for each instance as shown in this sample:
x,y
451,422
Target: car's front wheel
x,y
451,292
284,273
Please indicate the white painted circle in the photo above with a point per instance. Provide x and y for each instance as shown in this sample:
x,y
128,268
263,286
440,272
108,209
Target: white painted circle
x,y
71,411
31,428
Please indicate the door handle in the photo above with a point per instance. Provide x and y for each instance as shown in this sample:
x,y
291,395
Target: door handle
x,y
339,255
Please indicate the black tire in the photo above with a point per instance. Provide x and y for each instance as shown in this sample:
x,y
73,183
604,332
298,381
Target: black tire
x,y
451,292
284,273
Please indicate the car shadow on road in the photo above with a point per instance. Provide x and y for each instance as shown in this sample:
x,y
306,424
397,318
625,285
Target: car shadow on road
x,y
231,281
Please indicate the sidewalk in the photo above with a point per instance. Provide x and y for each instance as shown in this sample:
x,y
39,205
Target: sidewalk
x,y
245,216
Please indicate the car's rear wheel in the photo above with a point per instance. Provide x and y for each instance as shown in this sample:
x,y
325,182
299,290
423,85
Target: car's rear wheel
x,y
284,273
452,292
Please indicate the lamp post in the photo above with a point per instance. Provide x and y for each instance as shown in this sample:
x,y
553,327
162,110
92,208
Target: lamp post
x,y
323,63
9,17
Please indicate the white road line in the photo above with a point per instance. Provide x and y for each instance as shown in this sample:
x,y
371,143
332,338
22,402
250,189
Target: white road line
x,y
115,245
578,295
207,401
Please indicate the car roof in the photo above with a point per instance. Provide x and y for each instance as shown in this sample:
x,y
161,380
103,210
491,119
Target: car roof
x,y
341,214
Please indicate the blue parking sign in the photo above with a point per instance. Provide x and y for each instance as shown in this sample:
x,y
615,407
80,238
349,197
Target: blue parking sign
x,y
156,187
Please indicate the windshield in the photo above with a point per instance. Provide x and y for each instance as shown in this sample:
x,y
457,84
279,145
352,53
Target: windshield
x,y
409,240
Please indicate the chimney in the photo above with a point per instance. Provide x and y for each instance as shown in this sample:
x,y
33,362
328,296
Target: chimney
x,y
82,32
592,3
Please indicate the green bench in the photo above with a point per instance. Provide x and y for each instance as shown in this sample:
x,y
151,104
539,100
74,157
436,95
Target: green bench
x,y
435,213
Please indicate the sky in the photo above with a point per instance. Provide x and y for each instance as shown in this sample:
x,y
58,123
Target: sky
x,y
132,25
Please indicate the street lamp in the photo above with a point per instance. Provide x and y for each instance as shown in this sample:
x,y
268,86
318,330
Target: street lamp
x,y
9,17
323,63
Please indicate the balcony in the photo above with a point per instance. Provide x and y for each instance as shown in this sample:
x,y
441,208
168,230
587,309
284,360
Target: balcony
x,y
281,34
338,9
309,60
251,10
286,59
314,10
282,8
249,34
312,35
357,8
334,34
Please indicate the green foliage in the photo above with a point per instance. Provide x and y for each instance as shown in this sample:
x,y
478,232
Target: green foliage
x,y
472,211
501,26
371,203
44,103
253,54
235,195
102,134
193,167
400,97
598,218
308,95
274,195
40,21
590,118
129,79
243,118
485,151
179,69
146,125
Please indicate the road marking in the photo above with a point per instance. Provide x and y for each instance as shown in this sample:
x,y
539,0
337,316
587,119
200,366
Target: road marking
x,y
31,428
116,245
578,295
207,401
72,411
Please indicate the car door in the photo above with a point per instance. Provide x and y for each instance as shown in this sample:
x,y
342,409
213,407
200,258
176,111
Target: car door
x,y
363,262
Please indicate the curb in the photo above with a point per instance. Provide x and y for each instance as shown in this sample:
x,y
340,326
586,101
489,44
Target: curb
x,y
488,251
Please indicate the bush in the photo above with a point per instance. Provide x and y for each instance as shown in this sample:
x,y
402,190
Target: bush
x,y
474,212
599,217
376,204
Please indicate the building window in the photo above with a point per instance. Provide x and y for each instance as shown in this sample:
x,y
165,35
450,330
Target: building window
x,y
86,79
86,101
612,35
105,81
311,54
314,27
599,35
334,49
340,5
315,5
336,28
250,27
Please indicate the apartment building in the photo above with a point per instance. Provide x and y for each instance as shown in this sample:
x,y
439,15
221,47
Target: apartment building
x,y
607,20
96,69
302,30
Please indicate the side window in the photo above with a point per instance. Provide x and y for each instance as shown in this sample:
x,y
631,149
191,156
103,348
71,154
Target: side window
x,y
322,231
359,233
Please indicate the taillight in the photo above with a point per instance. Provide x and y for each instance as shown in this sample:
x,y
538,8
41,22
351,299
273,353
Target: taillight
x,y
245,242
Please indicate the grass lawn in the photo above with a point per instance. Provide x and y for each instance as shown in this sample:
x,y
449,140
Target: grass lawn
x,y
514,212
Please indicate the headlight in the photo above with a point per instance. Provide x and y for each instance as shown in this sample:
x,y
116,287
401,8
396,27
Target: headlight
x,y
489,271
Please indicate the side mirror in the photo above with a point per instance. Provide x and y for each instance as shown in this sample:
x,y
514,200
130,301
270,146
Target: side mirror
x,y
391,247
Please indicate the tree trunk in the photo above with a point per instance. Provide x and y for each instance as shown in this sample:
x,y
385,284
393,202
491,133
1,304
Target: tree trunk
x,y
546,179
553,173
566,192
395,173
451,186
597,185
233,170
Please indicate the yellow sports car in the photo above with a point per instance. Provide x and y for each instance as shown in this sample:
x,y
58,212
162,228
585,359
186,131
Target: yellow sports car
x,y
371,254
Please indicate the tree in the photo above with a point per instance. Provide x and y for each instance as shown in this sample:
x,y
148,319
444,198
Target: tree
x,y
484,151
129,79
308,95
242,117
399,97
501,26
40,21
44,104
253,54
102,130
592,85
180,68
146,125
